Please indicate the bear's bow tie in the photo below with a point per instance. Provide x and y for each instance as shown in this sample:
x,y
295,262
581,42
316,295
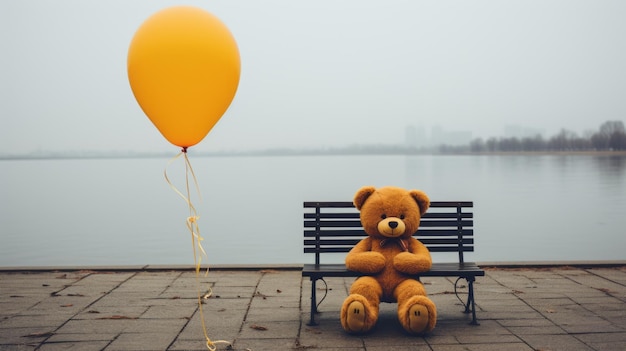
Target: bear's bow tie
x,y
403,245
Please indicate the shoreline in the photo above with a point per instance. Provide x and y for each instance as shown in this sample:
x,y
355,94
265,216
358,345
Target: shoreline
x,y
542,153
283,153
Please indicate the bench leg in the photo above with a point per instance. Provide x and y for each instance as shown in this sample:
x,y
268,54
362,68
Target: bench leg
x,y
313,302
470,301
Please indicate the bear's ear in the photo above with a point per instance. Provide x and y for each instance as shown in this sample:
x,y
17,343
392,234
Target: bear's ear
x,y
422,200
362,195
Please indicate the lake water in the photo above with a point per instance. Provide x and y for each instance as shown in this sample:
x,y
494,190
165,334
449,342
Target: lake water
x,y
122,211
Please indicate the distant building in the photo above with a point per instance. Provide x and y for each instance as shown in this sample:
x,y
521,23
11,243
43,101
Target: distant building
x,y
418,137
439,136
517,131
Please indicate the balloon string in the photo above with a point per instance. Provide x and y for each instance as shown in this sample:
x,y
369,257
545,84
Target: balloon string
x,y
196,239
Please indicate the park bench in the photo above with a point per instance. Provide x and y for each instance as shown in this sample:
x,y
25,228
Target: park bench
x,y
335,227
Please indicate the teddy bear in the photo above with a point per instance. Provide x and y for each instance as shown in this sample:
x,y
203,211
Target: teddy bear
x,y
389,259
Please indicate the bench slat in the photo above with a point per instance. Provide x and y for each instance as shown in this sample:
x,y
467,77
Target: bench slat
x,y
341,249
326,242
443,232
435,204
335,223
349,204
327,250
446,223
335,233
356,215
427,242
326,215
360,233
330,204
437,270
346,249
446,241
357,224
429,215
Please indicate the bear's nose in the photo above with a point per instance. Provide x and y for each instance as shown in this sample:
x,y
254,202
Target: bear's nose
x,y
393,224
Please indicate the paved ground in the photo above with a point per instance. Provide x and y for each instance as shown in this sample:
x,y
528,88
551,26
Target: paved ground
x,y
559,308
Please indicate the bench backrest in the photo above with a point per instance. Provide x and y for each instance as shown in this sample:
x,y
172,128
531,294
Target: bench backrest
x,y
335,226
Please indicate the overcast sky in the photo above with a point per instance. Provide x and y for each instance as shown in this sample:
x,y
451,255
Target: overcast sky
x,y
320,73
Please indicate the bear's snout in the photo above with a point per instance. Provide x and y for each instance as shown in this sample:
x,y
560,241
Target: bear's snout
x,y
391,227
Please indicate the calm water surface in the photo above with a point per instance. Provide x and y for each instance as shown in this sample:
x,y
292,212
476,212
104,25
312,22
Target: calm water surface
x,y
122,211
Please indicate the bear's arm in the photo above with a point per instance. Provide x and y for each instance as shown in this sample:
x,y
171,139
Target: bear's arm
x,y
362,259
416,260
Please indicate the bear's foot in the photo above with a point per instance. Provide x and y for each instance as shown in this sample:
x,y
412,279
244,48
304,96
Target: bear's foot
x,y
418,318
418,315
357,315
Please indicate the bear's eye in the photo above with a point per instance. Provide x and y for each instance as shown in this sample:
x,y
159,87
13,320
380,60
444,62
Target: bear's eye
x,y
401,216
383,216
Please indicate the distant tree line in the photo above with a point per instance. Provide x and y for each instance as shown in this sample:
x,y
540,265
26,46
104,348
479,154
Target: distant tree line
x,y
610,136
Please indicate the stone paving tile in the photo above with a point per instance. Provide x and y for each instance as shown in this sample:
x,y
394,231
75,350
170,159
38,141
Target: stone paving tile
x,y
328,334
239,304
23,336
50,321
137,341
110,312
163,312
537,330
604,341
81,337
617,275
392,336
260,344
195,340
188,345
274,315
520,346
219,326
504,314
536,322
227,278
230,292
115,326
156,325
400,348
555,342
269,330
78,346
488,339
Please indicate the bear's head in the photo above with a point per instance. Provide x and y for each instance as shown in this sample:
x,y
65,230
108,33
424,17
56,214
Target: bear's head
x,y
390,212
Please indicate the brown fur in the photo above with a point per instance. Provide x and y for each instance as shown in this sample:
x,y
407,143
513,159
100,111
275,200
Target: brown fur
x,y
383,258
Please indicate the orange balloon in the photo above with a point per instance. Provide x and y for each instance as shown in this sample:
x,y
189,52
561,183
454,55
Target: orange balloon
x,y
183,68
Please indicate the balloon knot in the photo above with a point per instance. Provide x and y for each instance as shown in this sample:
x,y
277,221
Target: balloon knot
x,y
184,150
